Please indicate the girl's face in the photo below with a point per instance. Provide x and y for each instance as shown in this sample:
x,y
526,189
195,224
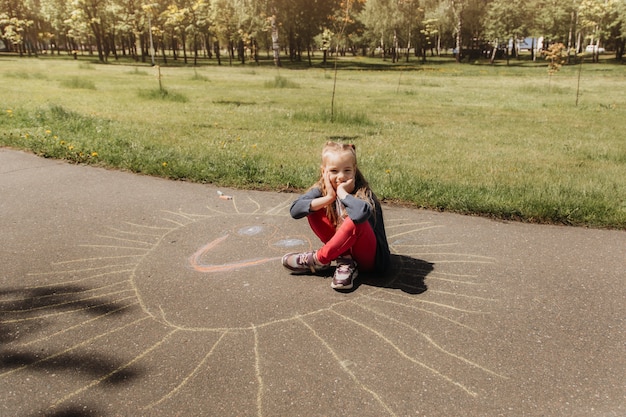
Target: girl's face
x,y
339,167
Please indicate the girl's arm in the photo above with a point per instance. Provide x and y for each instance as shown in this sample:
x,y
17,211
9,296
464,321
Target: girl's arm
x,y
302,206
358,209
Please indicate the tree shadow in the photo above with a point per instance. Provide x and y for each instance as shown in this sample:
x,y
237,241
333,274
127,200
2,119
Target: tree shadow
x,y
406,274
73,411
25,312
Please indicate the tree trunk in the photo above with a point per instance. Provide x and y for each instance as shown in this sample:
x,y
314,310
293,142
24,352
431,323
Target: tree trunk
x,y
459,40
275,43
408,46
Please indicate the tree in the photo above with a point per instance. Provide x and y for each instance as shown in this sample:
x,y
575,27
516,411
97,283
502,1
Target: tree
x,y
89,15
620,29
15,23
224,21
507,20
380,17
596,17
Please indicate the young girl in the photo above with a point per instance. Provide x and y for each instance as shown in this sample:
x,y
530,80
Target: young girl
x,y
345,214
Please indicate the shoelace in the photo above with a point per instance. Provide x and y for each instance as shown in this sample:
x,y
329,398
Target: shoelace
x,y
304,260
344,268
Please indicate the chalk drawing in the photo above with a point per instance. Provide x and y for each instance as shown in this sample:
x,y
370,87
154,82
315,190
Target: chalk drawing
x,y
142,291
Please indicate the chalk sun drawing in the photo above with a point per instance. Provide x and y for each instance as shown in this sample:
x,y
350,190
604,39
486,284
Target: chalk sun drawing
x,y
192,283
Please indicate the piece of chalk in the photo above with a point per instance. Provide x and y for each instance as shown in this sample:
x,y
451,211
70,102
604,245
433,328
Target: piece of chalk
x,y
226,197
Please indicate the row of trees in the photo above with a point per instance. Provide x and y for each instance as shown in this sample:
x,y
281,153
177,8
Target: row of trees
x,y
293,29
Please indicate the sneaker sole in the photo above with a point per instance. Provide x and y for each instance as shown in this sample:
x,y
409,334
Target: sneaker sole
x,y
302,271
345,287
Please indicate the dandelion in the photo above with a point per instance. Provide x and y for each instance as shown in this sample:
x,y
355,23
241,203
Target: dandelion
x,y
71,147
254,146
48,131
387,171
94,154
56,137
164,164
26,135
62,143
9,112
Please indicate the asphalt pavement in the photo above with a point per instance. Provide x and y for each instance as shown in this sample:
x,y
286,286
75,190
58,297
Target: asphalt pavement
x,y
127,295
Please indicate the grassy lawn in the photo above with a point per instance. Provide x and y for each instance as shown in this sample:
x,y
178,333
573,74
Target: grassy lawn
x,y
502,141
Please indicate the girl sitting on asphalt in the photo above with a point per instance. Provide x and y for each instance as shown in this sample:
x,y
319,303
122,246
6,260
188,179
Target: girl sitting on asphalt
x,y
345,214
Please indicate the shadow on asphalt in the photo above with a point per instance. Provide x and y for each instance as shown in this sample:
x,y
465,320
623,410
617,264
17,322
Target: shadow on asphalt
x,y
74,411
25,315
406,274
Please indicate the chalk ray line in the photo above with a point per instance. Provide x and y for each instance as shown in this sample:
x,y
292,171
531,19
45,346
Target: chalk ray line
x,y
431,341
214,210
452,274
81,279
96,258
396,235
113,247
132,232
394,220
60,313
469,255
454,281
186,216
115,371
178,224
257,372
140,242
351,374
279,208
67,329
446,306
69,349
66,303
395,226
459,261
234,200
58,294
145,226
256,203
74,271
408,357
473,297
187,377
432,245
432,313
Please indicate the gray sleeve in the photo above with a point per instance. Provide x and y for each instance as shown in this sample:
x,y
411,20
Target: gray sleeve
x,y
302,206
358,210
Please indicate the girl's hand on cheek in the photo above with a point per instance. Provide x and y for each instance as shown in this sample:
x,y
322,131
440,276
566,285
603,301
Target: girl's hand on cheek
x,y
330,190
345,188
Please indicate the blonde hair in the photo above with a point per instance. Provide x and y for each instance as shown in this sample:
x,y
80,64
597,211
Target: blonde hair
x,y
362,189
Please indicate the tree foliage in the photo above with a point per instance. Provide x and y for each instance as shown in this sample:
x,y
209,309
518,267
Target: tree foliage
x,y
297,28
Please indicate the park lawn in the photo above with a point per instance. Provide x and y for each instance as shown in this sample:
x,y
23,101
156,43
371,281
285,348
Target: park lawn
x,y
495,140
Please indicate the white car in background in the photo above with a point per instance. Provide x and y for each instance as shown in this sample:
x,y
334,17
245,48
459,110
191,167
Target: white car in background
x,y
590,49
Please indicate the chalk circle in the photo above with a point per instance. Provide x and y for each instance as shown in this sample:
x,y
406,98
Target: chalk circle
x,y
249,287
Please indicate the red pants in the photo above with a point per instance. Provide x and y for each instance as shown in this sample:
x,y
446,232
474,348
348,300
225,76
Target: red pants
x,y
356,240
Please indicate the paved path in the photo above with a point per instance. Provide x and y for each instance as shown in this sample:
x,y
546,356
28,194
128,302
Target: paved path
x,y
125,295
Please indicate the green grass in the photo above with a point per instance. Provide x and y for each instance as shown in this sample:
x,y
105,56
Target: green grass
x,y
500,141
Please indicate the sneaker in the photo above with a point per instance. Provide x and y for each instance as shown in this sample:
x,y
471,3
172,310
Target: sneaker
x,y
345,274
303,262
